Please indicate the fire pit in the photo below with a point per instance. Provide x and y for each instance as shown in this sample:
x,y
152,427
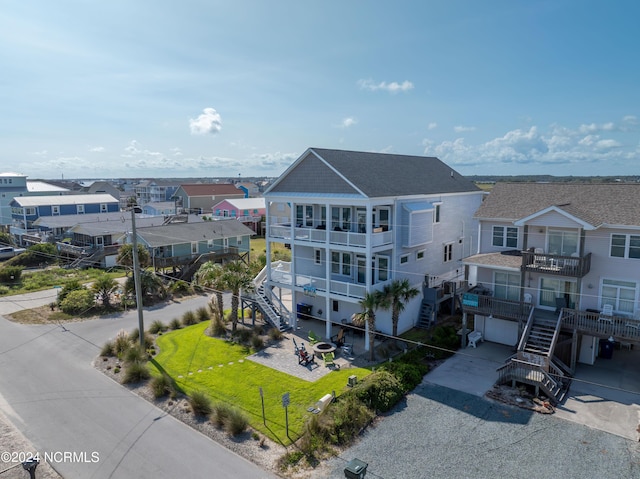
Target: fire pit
x,y
323,347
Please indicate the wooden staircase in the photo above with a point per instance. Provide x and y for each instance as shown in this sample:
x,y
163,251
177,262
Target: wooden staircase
x,y
533,363
541,337
427,315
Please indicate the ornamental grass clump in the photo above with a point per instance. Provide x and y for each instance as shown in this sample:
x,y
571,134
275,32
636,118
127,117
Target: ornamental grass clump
x,y
200,403
157,327
189,318
135,373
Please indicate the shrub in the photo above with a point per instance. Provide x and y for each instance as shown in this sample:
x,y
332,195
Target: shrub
x,y
157,327
72,285
243,335
10,274
134,355
200,403
162,386
175,324
217,327
180,287
257,342
379,391
220,414
135,372
108,350
189,318
236,423
446,338
409,374
348,417
122,343
4,290
35,255
134,338
276,334
202,313
78,302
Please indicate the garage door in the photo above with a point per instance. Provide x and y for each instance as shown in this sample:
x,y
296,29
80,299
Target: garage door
x,y
501,331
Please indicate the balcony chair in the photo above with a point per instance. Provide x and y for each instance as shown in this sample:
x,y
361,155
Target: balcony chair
x,y
338,339
606,315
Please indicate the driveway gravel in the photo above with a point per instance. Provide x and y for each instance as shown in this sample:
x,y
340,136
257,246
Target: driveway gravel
x,y
438,432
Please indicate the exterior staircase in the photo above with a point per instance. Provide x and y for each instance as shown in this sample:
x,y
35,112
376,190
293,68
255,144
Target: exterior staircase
x,y
533,363
541,337
427,315
272,309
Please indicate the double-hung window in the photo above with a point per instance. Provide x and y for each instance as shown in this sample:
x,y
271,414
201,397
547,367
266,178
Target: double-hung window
x,y
625,246
620,294
505,236
448,252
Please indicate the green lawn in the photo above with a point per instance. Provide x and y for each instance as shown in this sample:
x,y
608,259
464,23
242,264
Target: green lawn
x,y
198,362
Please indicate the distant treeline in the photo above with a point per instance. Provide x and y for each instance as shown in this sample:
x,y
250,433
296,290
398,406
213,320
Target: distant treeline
x,y
553,179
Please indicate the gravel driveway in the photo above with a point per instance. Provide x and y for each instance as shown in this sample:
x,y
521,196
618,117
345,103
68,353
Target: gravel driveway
x,y
442,433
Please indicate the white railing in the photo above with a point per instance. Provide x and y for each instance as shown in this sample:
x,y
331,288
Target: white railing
x,y
317,235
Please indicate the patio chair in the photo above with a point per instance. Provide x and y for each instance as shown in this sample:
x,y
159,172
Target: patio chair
x,y
338,339
329,359
305,358
297,349
313,338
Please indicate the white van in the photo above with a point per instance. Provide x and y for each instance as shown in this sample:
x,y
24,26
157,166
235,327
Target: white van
x,y
7,252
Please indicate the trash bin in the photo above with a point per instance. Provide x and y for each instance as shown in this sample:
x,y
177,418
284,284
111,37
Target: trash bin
x,y
606,348
356,469
303,310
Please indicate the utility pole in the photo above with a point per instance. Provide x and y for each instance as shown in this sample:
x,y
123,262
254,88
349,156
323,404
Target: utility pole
x,y
136,275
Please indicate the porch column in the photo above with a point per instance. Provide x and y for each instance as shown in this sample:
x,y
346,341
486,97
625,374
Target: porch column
x,y
574,350
463,339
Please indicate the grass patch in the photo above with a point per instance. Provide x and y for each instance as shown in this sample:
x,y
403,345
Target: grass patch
x,y
47,279
221,370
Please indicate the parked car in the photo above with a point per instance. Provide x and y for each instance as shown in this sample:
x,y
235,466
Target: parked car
x,y
7,252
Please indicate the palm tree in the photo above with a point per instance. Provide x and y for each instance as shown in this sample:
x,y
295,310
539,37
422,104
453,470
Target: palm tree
x,y
150,285
210,275
125,258
369,304
103,287
236,277
397,293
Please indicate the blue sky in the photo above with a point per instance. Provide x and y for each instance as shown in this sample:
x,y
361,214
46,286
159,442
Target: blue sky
x,y
141,88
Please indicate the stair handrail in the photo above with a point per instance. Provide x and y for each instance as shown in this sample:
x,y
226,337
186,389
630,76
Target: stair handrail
x,y
511,367
527,330
556,333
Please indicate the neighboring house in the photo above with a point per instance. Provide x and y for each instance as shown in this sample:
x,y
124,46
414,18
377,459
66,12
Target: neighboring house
x,y
250,189
15,184
360,220
153,190
198,198
249,211
95,242
185,246
25,210
102,186
556,270
159,208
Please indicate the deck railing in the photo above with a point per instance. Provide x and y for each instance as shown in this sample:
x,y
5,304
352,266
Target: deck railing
x,y
553,264
601,325
499,308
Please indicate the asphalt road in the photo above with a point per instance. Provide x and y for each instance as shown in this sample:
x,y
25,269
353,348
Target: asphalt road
x,y
94,427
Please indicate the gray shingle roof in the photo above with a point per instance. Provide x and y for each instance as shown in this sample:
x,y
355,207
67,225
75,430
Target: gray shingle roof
x,y
380,174
596,204
192,232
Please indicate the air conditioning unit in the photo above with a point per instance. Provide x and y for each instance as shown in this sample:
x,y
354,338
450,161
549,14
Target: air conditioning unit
x,y
352,381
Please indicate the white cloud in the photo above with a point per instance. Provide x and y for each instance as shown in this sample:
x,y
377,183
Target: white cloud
x,y
97,149
347,122
461,129
209,122
432,126
393,87
557,146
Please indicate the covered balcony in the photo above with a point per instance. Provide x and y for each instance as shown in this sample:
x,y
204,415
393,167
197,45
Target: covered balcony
x,y
319,234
